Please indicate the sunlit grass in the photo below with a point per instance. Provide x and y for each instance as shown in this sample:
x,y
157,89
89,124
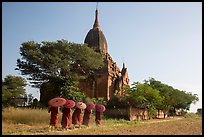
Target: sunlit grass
x,y
25,116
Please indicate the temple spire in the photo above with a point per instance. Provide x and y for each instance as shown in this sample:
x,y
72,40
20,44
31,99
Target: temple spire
x,y
96,23
123,65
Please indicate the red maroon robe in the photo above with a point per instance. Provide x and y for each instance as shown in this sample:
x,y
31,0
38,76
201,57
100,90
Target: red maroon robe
x,y
77,117
66,117
98,118
87,117
54,116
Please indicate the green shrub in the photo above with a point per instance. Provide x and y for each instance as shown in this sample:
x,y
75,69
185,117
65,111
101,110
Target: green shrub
x,y
116,102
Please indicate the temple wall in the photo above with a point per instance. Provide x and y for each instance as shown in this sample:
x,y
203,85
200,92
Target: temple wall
x,y
101,86
131,113
87,87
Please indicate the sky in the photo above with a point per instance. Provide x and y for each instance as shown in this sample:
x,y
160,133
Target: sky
x,y
160,40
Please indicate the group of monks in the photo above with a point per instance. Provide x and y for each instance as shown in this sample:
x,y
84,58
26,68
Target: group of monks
x,y
76,118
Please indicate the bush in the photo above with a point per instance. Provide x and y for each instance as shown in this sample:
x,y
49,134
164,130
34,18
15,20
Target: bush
x,y
116,102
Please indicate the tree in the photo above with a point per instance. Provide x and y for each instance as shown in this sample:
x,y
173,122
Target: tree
x,y
51,64
184,100
12,88
173,98
146,96
139,95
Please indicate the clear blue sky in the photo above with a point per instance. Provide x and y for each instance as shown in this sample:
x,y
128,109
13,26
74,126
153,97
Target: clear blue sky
x,y
159,40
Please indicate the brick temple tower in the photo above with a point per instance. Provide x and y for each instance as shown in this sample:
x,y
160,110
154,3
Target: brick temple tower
x,y
109,78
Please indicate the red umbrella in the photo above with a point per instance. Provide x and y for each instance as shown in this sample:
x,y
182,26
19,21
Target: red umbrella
x,y
100,108
56,102
90,106
69,104
81,105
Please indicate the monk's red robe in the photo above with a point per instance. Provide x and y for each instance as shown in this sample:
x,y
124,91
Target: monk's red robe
x,y
54,116
77,117
87,117
66,117
98,118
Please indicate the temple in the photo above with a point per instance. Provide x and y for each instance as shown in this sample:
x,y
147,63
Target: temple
x,y
108,79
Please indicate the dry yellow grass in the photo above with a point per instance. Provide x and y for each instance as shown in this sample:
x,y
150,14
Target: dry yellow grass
x,y
25,116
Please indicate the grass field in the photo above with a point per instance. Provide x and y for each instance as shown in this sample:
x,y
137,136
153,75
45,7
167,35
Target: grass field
x,y
36,121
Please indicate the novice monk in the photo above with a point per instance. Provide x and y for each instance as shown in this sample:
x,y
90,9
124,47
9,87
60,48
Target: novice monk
x,y
77,115
87,114
54,116
99,111
66,114
66,118
98,118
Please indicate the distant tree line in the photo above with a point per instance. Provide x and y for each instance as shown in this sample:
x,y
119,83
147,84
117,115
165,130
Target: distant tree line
x,y
153,95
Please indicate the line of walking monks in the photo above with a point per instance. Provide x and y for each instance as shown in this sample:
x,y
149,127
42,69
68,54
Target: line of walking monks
x,y
76,118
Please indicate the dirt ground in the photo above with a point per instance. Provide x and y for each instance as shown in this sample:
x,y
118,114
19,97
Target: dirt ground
x,y
171,126
168,126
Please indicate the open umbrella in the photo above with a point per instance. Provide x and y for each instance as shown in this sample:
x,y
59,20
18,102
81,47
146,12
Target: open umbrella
x,y
69,104
90,106
56,102
81,105
100,108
